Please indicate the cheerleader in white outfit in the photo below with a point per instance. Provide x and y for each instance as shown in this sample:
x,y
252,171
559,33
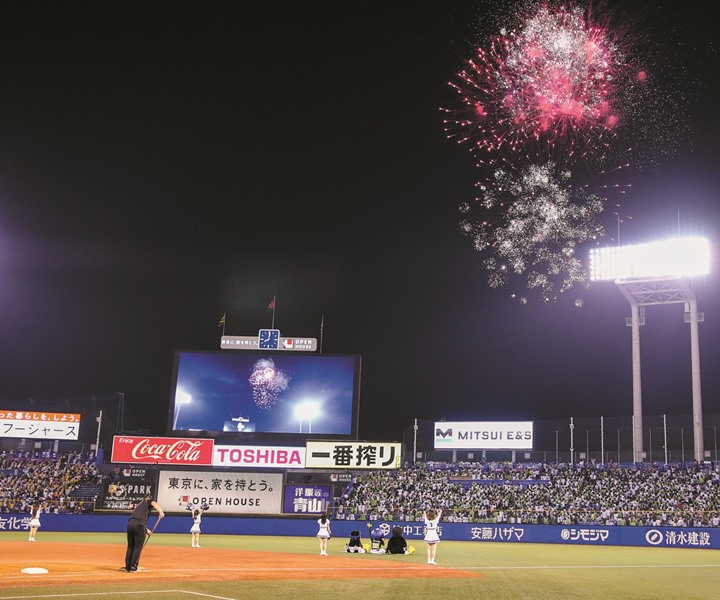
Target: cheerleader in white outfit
x,y
431,533
195,529
34,520
323,534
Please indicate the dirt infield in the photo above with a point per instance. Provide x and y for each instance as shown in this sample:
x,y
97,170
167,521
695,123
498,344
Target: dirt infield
x,y
101,563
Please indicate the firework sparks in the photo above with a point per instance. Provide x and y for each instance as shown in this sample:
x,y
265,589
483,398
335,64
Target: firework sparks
x,y
556,85
548,107
267,382
539,224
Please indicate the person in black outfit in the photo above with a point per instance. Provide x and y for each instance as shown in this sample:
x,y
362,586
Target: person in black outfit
x,y
397,544
137,530
355,543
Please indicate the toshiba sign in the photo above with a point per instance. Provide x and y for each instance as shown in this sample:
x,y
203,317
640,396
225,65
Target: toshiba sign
x,y
163,451
283,457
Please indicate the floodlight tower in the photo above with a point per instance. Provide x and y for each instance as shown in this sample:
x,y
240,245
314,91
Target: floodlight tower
x,y
306,411
652,274
182,398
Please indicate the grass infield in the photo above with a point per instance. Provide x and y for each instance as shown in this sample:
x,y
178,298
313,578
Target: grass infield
x,y
89,566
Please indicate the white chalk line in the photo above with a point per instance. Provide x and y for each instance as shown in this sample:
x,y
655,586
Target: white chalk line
x,y
540,567
96,594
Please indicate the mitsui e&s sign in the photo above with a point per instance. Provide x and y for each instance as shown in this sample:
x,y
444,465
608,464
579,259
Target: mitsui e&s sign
x,y
484,435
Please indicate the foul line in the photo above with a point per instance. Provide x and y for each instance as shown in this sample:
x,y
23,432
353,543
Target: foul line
x,y
530,568
96,594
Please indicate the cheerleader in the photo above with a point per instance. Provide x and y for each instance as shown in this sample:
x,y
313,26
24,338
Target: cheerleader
x,y
35,520
432,538
195,529
323,534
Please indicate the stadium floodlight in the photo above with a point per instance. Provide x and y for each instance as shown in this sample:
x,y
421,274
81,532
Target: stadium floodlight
x,y
181,399
680,257
306,411
651,274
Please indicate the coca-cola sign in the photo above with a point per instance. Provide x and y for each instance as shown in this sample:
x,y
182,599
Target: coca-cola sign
x,y
162,451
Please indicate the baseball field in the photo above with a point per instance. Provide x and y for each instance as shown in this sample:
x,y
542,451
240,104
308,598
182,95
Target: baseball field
x,y
90,566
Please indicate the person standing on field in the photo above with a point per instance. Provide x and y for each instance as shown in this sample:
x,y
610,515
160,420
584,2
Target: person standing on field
x,y
432,539
35,512
137,530
195,529
323,534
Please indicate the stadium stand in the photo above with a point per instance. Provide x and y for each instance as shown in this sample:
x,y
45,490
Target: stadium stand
x,y
572,494
678,495
63,483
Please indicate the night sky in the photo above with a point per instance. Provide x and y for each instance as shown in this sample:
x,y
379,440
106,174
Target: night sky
x,y
162,164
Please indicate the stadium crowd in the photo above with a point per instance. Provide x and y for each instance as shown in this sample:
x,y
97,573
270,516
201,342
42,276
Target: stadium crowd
x,y
49,478
533,493
566,494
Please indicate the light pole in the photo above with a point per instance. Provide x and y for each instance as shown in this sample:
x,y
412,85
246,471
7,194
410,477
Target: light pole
x,y
181,399
305,411
97,439
415,430
649,275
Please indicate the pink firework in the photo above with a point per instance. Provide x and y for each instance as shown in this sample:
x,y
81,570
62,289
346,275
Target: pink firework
x,y
554,109
555,86
267,382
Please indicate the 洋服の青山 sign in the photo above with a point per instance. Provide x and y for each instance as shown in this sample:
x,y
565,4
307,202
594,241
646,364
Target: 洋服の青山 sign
x,y
160,450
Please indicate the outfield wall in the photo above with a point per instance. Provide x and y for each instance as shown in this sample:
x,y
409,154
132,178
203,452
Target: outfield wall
x,y
598,535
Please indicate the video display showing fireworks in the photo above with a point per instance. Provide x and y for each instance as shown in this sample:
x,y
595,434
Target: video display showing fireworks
x,y
249,392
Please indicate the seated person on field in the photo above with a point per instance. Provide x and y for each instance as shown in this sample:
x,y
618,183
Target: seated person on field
x,y
377,543
397,544
355,543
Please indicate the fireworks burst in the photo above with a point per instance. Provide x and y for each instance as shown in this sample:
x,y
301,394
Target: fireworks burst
x,y
547,106
539,225
267,382
554,86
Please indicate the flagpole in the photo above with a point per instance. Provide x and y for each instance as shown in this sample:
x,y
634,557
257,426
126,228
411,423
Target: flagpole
x,y
222,322
274,303
322,322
